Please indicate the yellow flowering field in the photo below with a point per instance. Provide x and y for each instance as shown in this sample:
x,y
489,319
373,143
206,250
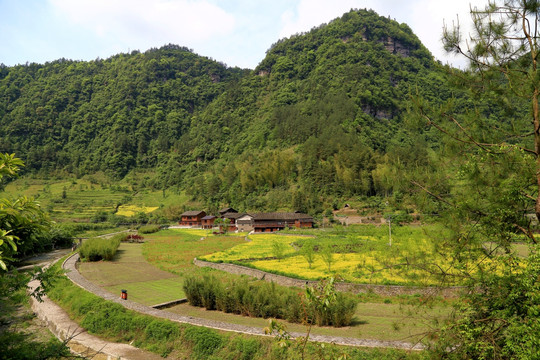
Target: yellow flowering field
x,y
130,210
360,255
354,267
259,247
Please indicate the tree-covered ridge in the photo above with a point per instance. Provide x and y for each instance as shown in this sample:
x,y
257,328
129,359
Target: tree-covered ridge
x,y
330,110
109,115
321,116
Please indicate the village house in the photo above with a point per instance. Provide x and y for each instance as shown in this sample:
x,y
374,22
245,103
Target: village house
x,y
192,218
207,222
245,223
232,216
227,210
270,222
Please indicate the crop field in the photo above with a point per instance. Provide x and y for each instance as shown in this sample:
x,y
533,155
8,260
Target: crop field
x,y
129,271
173,250
259,247
360,254
130,210
80,199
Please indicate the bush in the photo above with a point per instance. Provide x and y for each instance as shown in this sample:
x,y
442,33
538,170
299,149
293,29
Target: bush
x,y
161,330
148,229
99,217
61,236
96,249
265,300
205,341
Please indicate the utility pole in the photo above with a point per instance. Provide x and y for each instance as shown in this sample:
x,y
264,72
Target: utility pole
x,y
389,218
389,230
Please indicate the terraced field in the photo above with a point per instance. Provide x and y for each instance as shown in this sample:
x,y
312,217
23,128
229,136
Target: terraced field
x,y
79,200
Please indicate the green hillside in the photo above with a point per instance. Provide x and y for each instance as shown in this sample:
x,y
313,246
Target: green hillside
x,y
318,121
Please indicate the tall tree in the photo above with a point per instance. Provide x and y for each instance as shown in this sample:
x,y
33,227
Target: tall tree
x,y
503,54
492,161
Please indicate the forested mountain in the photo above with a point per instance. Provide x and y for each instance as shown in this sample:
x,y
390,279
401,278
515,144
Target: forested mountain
x,y
321,117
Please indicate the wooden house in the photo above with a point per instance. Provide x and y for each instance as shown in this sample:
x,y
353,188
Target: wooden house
x,y
227,210
207,222
270,222
192,218
232,216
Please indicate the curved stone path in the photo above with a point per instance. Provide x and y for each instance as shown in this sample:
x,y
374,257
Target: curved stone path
x,y
72,272
78,339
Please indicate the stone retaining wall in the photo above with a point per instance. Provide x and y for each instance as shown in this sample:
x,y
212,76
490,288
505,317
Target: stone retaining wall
x,y
384,290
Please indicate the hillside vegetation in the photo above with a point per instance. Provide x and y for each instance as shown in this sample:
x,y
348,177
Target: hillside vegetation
x,y
320,119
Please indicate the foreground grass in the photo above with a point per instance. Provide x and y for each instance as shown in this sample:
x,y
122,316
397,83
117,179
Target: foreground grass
x,y
173,340
376,321
22,335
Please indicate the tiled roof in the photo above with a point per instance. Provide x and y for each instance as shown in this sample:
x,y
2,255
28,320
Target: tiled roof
x,y
192,213
281,216
232,215
208,217
227,210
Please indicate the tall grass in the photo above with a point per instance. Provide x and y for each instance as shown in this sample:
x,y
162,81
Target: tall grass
x,y
265,300
96,249
148,229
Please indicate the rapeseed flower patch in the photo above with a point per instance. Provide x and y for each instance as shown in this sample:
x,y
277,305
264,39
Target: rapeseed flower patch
x,y
361,255
130,210
258,247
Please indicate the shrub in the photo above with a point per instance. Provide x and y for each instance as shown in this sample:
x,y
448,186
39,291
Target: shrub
x,y
265,300
99,217
61,236
96,249
148,229
205,341
161,330
246,348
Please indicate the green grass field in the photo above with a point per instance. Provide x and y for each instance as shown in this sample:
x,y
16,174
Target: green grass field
x,y
172,250
129,271
387,322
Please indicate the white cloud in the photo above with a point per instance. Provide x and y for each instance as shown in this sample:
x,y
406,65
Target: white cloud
x,y
425,17
148,22
310,13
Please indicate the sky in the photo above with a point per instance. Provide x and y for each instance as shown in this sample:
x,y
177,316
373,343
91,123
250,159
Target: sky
x,y
235,32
